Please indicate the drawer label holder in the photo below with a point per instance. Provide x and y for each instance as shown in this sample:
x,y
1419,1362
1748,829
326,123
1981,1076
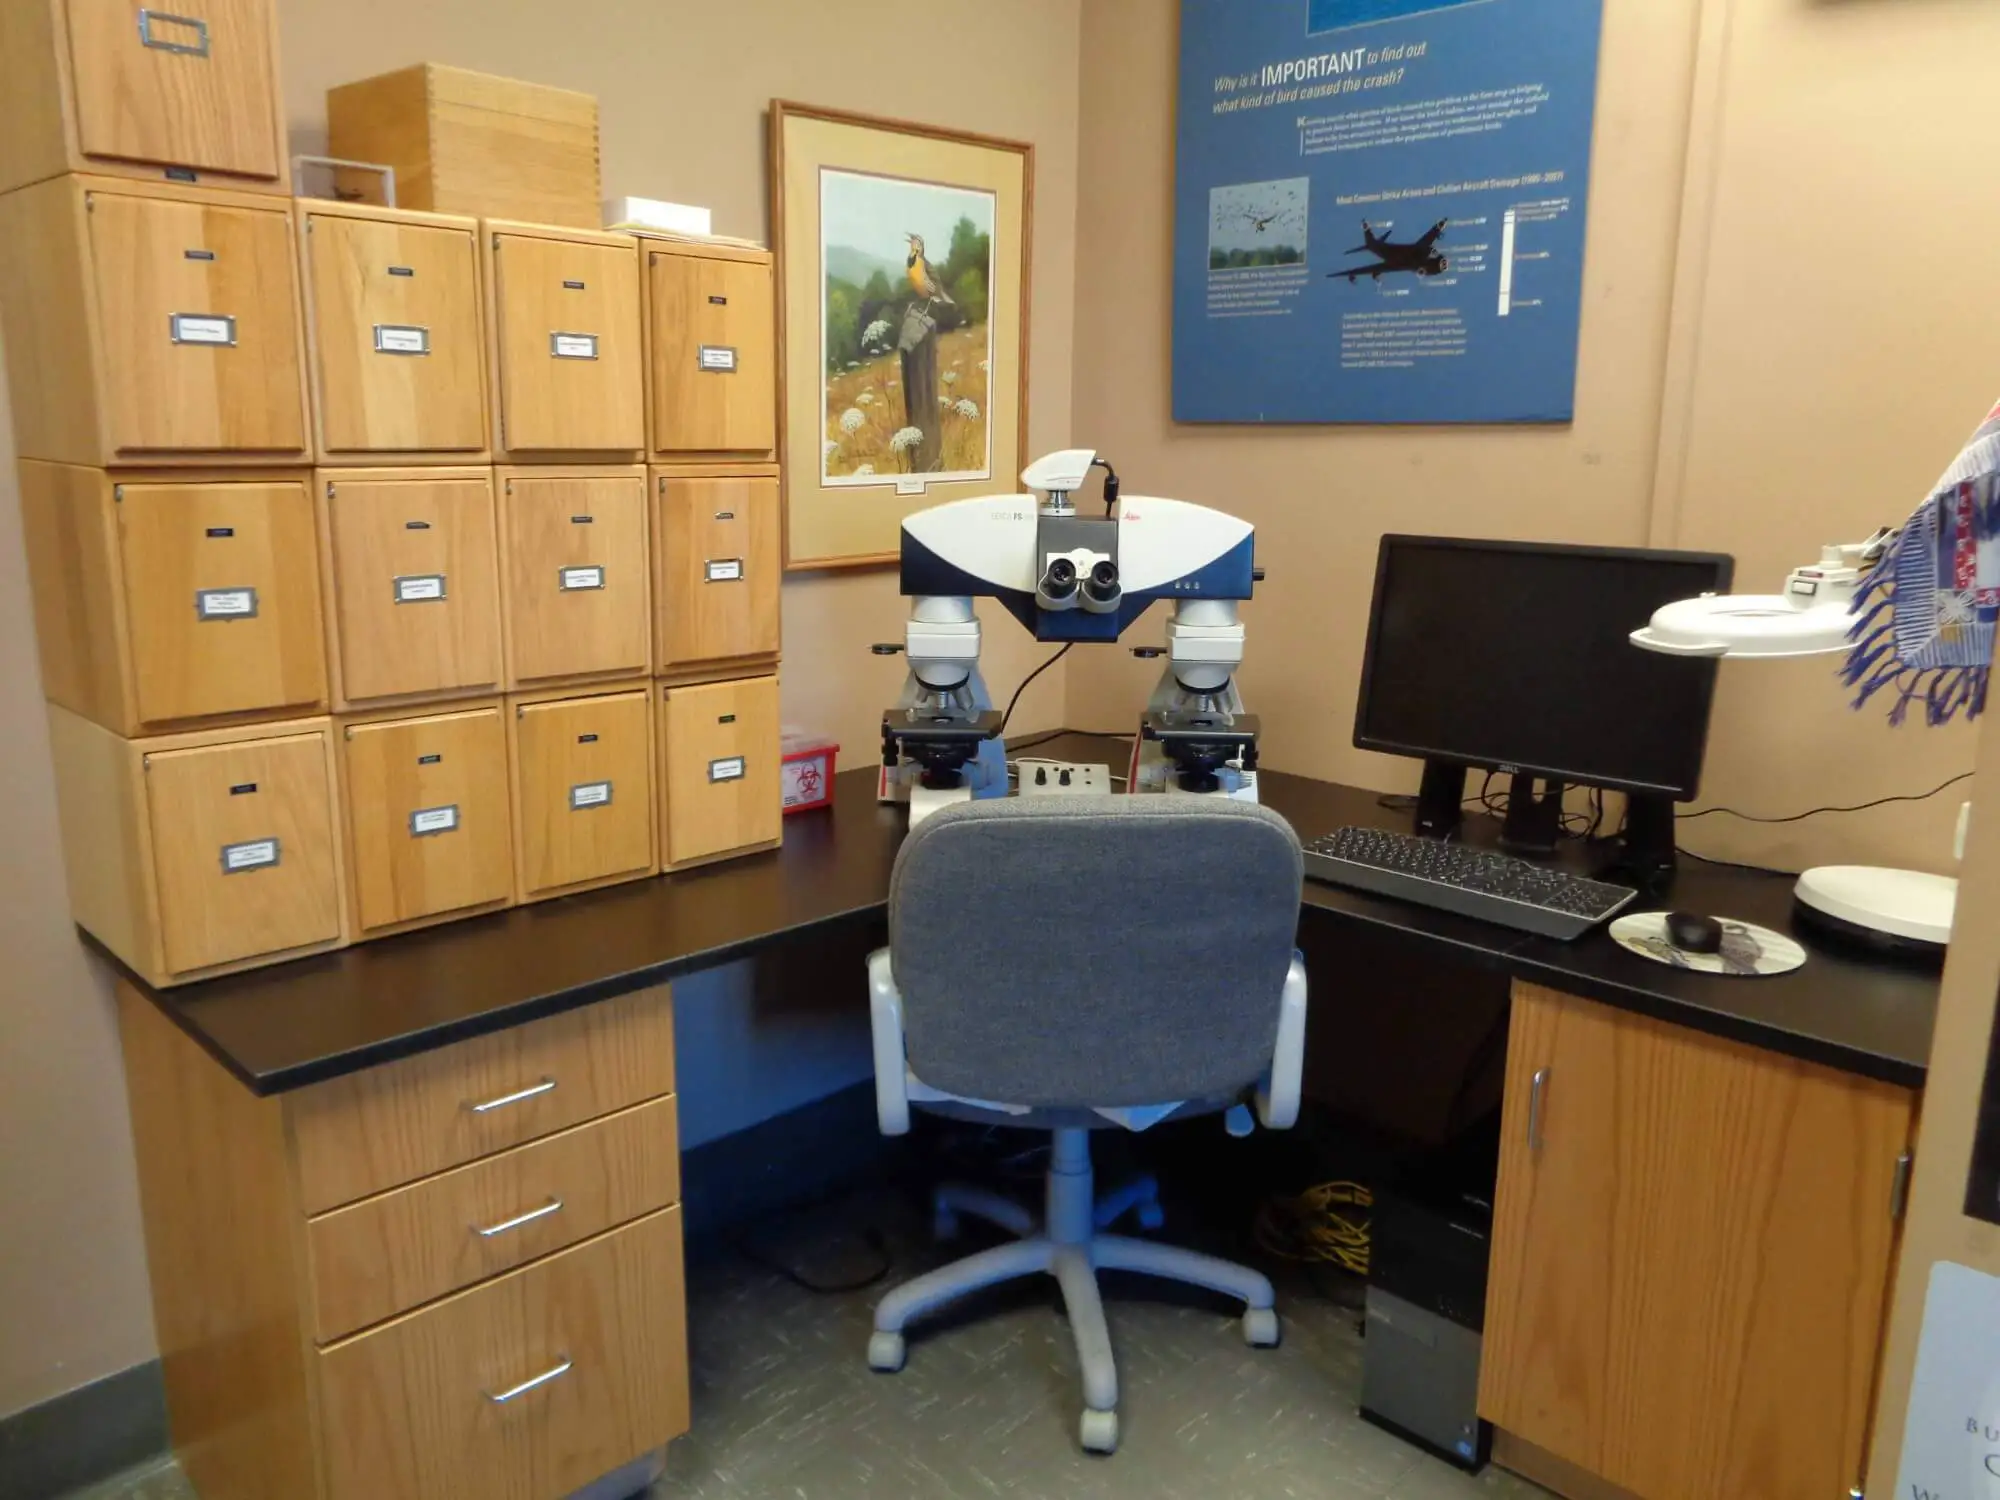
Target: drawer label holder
x,y
580,578
251,854
724,570
573,345
728,768
402,338
419,588
225,604
202,328
428,820
718,358
589,794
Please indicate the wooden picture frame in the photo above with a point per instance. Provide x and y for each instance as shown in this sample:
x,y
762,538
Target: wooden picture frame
x,y
937,318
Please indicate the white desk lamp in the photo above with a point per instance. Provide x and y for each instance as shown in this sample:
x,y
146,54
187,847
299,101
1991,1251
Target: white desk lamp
x,y
1810,618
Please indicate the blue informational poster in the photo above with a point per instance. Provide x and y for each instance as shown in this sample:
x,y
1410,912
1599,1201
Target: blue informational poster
x,y
1379,209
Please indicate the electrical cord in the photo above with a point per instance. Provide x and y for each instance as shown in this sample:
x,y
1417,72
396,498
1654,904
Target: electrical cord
x,y
1043,736
1733,864
1058,656
1313,1227
1813,812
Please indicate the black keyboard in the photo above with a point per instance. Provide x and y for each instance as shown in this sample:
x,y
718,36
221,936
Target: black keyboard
x,y
1472,882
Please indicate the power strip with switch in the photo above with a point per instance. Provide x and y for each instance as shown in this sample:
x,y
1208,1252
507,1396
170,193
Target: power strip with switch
x,y
1060,778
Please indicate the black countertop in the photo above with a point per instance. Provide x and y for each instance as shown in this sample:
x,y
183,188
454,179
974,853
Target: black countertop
x,y
317,1018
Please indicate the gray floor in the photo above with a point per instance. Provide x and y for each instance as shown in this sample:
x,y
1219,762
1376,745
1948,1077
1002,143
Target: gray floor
x,y
784,1405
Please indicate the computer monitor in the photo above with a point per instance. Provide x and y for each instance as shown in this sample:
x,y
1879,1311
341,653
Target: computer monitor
x,y
1515,657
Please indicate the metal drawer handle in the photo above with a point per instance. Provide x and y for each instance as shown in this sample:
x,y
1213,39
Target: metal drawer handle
x,y
514,1098
501,1398
518,1220
196,48
1535,1091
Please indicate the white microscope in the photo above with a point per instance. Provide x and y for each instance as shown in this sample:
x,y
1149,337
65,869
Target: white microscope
x,y
1070,578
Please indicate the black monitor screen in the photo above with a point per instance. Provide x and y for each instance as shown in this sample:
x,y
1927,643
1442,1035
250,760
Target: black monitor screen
x,y
1504,655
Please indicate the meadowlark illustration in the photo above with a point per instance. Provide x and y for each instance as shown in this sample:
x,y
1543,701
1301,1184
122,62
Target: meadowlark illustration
x,y
929,285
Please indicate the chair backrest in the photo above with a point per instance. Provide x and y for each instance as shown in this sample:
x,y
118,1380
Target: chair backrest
x,y
1071,952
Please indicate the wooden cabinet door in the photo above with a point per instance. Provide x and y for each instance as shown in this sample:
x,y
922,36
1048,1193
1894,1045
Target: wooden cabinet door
x,y
395,312
524,1388
221,598
243,849
189,86
713,355
567,328
717,560
720,755
415,584
584,796
1691,1250
198,318
578,595
427,807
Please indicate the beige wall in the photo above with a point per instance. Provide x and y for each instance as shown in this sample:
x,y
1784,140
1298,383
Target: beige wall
x,y
683,89
1830,384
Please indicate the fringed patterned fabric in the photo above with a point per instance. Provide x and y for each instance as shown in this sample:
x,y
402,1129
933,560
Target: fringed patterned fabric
x,y
1925,613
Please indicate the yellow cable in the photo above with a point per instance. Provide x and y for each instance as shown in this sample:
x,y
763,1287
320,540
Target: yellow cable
x,y
1311,1226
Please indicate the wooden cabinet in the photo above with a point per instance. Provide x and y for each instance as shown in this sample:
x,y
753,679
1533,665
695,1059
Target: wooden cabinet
x,y
564,310
1691,1250
583,791
412,583
711,350
525,1388
367,1351
149,324
109,86
719,776
717,562
194,854
394,322
428,823
161,601
575,574
470,143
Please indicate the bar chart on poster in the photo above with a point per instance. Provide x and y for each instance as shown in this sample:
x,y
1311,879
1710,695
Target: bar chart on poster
x,y
1379,209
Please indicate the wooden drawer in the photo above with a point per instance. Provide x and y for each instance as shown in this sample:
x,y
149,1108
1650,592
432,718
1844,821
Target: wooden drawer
x,y
711,350
102,85
192,854
566,342
583,791
392,1124
162,603
719,778
430,833
401,1249
717,559
399,360
151,326
525,1388
412,582
577,595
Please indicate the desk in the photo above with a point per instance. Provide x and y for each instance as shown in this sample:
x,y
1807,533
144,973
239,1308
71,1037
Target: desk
x,y
325,1106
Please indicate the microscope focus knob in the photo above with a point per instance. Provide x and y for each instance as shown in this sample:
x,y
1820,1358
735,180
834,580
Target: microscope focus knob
x,y
887,648
1147,653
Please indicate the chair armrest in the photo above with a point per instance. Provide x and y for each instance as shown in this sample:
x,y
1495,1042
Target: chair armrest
x,y
1278,1094
885,1015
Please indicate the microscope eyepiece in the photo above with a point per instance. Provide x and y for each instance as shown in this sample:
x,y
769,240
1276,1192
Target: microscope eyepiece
x,y
1057,589
1102,591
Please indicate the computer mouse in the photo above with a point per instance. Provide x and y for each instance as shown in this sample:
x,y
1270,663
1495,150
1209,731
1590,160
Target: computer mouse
x,y
1694,934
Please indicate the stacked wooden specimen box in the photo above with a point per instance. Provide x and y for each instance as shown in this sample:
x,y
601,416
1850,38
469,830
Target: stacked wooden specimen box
x,y
390,567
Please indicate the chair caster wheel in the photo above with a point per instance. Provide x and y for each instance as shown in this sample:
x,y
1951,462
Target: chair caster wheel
x,y
886,1351
944,1225
1099,1431
1151,1216
1260,1327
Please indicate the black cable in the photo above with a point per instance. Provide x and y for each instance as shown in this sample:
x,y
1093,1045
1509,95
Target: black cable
x,y
1058,656
1043,736
1734,864
1816,811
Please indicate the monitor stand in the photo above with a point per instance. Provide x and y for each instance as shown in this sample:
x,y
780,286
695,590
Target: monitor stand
x,y
1648,857
1441,799
1534,820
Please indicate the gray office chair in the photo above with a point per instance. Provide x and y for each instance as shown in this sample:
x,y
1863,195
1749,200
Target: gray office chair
x,y
1051,958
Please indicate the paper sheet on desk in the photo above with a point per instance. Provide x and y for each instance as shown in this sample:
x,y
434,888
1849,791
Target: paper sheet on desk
x,y
1131,1116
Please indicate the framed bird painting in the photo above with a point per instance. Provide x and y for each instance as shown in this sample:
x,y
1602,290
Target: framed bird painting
x,y
903,324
